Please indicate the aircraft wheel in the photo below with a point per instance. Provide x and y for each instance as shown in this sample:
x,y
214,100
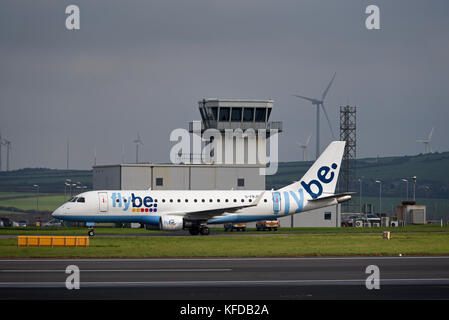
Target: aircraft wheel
x,y
194,231
91,233
205,231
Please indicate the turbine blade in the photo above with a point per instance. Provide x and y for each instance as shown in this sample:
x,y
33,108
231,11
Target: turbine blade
x,y
430,134
328,87
306,98
328,121
308,140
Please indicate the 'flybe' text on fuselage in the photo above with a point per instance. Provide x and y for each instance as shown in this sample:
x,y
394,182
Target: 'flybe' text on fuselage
x,y
145,204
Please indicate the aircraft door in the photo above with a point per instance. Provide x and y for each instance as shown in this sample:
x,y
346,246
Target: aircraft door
x,y
103,201
276,202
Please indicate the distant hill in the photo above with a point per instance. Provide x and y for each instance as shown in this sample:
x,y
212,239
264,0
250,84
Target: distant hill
x,y
49,180
432,170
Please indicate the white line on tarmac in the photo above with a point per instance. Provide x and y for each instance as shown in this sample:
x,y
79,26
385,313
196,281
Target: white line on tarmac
x,y
123,270
438,281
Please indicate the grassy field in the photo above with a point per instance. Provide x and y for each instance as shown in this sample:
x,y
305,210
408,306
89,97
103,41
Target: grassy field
x,y
16,194
422,240
432,228
46,203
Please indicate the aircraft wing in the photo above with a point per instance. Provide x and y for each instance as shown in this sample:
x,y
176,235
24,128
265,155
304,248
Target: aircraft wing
x,y
343,196
208,213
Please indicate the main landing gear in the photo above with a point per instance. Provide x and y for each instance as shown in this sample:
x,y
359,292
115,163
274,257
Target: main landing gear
x,y
91,232
203,230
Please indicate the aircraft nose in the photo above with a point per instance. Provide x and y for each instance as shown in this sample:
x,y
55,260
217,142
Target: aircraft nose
x,y
57,213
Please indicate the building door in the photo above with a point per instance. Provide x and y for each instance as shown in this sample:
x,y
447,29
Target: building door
x,y
276,202
103,201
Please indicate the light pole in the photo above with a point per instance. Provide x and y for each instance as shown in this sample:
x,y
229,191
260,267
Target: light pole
x,y
37,198
360,181
68,184
414,188
380,195
406,181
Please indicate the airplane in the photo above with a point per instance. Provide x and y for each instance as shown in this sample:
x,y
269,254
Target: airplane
x,y
193,210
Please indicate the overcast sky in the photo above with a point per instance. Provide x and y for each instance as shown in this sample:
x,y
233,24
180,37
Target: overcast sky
x,y
143,66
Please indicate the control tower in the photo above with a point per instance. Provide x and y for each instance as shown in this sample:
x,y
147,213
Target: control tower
x,y
242,127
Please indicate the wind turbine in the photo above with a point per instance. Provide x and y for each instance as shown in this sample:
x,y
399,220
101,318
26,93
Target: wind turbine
x,y
318,103
304,146
7,143
138,142
426,142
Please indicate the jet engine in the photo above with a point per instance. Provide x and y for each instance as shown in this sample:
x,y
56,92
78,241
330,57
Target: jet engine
x,y
171,223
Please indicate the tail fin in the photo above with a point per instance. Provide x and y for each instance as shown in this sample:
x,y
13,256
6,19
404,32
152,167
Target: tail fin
x,y
321,179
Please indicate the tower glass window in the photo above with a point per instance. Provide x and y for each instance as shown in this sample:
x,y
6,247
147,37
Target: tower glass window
x,y
248,114
214,111
236,115
260,114
224,113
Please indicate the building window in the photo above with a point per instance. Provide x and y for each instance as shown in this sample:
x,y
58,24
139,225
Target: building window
x,y
236,115
224,113
248,114
260,114
159,181
327,216
214,111
240,182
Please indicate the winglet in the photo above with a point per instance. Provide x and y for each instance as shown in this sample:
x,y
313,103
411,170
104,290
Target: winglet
x,y
255,203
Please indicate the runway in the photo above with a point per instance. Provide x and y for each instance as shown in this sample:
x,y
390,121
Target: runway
x,y
227,278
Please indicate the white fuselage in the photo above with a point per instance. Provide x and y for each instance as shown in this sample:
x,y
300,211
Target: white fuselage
x,y
148,206
175,209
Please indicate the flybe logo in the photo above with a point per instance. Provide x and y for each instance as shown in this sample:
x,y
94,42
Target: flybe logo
x,y
325,175
138,204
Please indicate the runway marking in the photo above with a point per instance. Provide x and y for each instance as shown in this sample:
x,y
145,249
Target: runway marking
x,y
441,281
119,270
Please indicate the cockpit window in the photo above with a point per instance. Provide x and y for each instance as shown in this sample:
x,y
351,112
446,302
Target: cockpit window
x,y
73,199
81,199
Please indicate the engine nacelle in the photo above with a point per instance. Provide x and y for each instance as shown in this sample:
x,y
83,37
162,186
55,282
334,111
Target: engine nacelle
x,y
171,223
